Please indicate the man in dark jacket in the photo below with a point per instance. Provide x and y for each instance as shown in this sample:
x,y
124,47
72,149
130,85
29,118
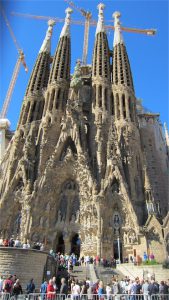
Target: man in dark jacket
x,y
153,288
63,288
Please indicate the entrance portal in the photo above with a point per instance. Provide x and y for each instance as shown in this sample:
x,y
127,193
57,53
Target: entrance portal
x,y
75,245
61,245
116,250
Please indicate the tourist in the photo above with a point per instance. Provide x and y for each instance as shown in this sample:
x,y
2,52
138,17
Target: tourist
x,y
8,285
54,284
144,290
64,287
42,247
84,288
132,289
1,284
11,242
76,290
153,288
5,242
90,291
30,289
17,243
163,288
1,242
51,290
145,257
100,290
43,289
17,289
108,291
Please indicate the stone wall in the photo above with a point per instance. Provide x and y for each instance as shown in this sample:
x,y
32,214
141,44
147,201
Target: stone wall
x,y
25,263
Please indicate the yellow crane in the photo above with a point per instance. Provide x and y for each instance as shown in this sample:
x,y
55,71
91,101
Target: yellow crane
x,y
20,60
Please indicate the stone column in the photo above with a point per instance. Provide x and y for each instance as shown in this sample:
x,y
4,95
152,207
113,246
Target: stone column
x,y
127,106
67,245
100,225
121,107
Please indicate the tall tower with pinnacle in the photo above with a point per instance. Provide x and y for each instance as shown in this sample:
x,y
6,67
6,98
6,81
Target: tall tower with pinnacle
x,y
85,172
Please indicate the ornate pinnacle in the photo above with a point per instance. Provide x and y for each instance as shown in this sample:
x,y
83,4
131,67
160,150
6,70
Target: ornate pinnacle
x,y
118,39
46,43
65,29
100,24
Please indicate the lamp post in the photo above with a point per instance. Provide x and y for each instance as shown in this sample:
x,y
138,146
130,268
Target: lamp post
x,y
118,245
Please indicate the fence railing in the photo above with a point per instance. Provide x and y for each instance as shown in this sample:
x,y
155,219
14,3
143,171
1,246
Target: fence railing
x,y
89,296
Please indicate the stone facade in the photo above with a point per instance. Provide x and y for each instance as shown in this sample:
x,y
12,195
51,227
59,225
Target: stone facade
x,y
85,171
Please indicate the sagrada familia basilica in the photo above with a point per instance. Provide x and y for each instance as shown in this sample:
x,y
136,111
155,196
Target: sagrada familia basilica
x,y
87,168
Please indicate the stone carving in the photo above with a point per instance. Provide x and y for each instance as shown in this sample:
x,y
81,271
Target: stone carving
x,y
132,237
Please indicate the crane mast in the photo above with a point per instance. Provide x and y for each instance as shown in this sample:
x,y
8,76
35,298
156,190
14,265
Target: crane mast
x,y
4,123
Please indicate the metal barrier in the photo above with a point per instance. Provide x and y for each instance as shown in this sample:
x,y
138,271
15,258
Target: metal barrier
x,y
38,296
4,296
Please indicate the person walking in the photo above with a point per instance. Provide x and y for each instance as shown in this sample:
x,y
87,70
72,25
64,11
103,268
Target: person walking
x,y
30,289
43,289
17,289
51,290
63,288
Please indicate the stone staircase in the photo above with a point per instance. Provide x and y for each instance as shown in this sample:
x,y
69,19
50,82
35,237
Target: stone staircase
x,y
105,274
144,271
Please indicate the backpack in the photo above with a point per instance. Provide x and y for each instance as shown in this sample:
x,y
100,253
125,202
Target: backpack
x,y
7,286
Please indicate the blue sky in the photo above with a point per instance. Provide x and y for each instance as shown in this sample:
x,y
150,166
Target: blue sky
x,y
148,55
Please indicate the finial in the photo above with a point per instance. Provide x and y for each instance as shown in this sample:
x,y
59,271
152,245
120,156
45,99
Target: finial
x,y
65,30
118,39
46,43
100,23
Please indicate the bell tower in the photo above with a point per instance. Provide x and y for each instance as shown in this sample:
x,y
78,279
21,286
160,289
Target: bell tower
x,y
101,92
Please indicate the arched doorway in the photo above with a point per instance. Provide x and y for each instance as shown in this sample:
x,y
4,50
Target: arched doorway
x,y
60,245
75,244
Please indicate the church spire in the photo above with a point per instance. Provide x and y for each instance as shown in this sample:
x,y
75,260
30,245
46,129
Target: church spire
x,y
122,81
59,79
33,103
40,74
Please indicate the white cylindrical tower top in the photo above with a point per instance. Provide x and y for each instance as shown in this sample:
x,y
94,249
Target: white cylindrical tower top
x,y
66,27
118,38
47,41
100,23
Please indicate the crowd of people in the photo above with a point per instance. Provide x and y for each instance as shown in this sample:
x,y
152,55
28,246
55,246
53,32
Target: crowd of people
x,y
86,288
16,243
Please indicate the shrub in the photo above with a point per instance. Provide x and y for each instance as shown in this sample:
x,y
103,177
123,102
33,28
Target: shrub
x,y
150,262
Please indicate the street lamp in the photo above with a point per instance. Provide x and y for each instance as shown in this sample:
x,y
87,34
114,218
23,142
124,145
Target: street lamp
x,y
118,245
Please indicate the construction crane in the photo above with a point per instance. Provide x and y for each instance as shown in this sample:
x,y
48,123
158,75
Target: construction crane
x,y
88,16
20,60
92,23
88,22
